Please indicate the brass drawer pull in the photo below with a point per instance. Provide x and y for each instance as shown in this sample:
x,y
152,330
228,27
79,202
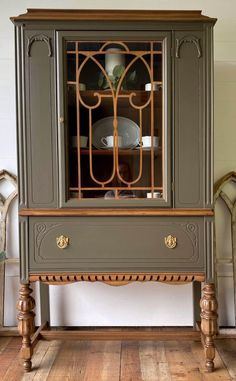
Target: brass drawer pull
x,y
62,241
170,241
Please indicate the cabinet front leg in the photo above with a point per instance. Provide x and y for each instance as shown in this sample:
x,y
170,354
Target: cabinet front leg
x,y
26,327
209,315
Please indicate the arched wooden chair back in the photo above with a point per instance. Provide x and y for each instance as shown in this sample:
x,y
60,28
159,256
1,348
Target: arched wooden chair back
x,y
5,203
221,193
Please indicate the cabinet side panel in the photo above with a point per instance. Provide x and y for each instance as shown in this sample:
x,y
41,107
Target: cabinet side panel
x,y
20,118
188,119
41,129
209,80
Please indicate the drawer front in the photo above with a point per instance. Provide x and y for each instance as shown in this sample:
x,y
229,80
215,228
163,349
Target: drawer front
x,y
116,244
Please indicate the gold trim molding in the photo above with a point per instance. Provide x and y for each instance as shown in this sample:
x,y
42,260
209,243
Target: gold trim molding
x,y
115,279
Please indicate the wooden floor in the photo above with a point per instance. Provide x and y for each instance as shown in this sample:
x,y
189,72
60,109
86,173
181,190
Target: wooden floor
x,y
117,361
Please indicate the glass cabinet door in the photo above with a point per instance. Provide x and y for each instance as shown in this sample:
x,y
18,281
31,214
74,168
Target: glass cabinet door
x,y
116,140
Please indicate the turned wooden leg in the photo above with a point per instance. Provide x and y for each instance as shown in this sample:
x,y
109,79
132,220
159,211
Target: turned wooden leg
x,y
209,315
25,318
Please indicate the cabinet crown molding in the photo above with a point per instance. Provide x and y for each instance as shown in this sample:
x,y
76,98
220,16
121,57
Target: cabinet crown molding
x,y
115,15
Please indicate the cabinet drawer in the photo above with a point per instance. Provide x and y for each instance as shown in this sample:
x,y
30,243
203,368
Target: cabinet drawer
x,y
116,244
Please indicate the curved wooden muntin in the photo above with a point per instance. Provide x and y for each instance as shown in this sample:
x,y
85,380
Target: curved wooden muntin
x,y
115,95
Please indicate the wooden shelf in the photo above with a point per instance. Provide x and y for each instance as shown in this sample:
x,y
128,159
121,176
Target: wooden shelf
x,y
123,152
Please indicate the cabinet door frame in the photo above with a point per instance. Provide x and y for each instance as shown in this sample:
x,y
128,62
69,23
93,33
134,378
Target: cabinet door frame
x,y
61,38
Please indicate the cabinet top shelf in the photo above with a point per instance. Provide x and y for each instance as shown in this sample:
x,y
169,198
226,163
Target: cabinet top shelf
x,y
114,15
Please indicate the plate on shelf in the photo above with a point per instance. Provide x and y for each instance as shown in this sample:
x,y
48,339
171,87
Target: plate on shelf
x,y
147,148
127,128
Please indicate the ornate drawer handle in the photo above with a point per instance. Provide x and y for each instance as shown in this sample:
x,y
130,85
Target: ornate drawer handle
x,y
170,241
62,241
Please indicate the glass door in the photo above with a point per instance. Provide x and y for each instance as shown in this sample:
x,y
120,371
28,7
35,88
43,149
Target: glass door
x,y
115,138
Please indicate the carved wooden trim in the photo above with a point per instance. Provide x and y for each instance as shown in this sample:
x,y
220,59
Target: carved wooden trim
x,y
115,279
41,229
191,39
192,231
209,323
114,212
40,38
26,327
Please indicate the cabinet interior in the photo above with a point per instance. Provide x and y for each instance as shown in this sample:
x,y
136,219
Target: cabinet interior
x,y
114,118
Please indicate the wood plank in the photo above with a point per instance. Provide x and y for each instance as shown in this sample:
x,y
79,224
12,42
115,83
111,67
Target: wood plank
x,y
150,355
113,361
103,361
114,212
182,364
227,351
130,362
15,370
164,371
70,362
8,356
104,335
4,341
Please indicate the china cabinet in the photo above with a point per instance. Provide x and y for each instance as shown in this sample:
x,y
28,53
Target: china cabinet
x,y
114,116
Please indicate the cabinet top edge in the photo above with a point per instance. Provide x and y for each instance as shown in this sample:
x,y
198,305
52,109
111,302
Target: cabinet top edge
x,y
36,14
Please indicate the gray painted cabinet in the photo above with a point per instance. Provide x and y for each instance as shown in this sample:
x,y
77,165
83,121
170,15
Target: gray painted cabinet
x,y
114,121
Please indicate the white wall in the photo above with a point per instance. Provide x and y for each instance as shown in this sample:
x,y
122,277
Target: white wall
x,y
136,304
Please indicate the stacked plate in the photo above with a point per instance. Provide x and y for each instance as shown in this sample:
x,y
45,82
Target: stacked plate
x,y
127,129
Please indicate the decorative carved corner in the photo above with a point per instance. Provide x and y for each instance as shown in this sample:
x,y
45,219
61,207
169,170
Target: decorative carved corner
x,y
40,230
192,230
190,39
40,38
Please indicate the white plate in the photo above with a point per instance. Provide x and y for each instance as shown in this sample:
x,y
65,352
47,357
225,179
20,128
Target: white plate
x,y
147,148
128,129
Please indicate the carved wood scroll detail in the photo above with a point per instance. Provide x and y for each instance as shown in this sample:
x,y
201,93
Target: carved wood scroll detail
x,y
190,39
117,279
41,229
40,38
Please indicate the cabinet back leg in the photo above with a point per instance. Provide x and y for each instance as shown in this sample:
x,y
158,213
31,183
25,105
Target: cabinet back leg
x,y
44,303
